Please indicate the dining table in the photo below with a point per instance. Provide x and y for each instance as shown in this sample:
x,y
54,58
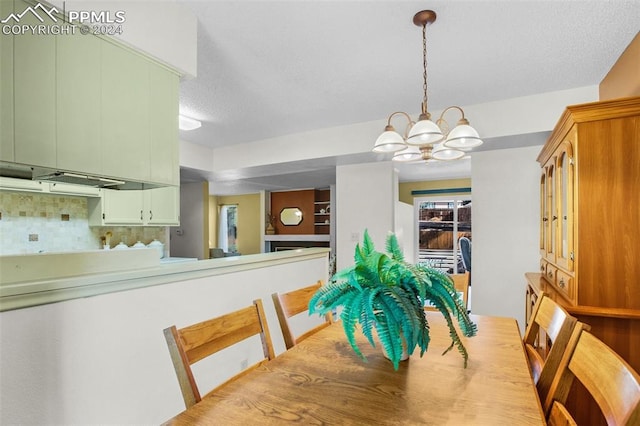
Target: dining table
x,y
321,381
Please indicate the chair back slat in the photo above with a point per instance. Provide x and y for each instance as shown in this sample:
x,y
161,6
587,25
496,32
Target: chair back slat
x,y
198,341
208,337
461,284
293,303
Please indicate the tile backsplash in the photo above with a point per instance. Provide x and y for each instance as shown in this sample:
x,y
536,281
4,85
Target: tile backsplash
x,y
32,223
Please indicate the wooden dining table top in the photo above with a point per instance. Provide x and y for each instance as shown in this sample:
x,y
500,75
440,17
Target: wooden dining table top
x,y
321,381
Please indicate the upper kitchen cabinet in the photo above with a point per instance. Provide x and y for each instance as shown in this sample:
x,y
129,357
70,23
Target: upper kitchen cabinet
x,y
34,79
163,113
125,114
139,118
78,103
87,104
162,206
6,89
152,207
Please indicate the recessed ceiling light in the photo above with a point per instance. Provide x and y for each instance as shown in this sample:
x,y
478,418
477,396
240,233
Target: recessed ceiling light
x,y
186,123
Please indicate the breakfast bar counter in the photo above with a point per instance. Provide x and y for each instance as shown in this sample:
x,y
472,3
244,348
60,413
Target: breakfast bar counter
x,y
116,273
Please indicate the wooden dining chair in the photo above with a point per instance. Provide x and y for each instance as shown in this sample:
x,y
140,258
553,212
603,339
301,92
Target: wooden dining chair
x,y
461,283
191,344
612,383
293,303
557,326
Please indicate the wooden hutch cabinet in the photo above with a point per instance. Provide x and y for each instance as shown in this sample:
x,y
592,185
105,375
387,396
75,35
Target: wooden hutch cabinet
x,y
590,225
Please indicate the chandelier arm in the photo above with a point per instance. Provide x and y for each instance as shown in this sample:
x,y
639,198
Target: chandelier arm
x,y
410,122
452,107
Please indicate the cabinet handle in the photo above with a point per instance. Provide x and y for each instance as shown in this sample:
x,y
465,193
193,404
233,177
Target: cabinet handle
x,y
544,219
141,211
561,283
150,215
550,274
542,268
555,218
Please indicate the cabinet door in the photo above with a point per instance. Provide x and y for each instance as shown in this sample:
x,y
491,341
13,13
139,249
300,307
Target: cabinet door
x,y
125,113
122,207
78,103
162,206
163,107
552,218
6,88
544,214
34,94
566,176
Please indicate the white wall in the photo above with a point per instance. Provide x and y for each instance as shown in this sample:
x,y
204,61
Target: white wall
x,y
188,239
405,230
506,216
365,199
516,116
104,360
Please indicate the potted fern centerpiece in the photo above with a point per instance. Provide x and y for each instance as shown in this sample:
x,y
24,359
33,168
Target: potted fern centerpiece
x,y
384,293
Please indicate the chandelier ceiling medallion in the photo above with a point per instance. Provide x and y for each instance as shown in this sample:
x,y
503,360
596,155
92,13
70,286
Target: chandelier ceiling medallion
x,y
427,140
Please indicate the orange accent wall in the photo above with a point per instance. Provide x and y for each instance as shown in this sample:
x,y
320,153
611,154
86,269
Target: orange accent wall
x,y
623,79
301,199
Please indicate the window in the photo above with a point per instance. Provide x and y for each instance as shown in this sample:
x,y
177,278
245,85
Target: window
x,y
441,224
228,228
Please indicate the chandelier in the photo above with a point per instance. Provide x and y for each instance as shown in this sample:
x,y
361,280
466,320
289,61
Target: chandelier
x,y
425,139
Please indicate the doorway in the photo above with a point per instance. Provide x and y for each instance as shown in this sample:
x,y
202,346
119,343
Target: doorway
x,y
442,222
228,228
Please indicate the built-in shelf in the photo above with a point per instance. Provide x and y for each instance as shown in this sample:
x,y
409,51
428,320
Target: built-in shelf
x,y
297,237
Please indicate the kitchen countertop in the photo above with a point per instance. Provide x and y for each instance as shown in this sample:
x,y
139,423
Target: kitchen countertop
x,y
16,295
166,260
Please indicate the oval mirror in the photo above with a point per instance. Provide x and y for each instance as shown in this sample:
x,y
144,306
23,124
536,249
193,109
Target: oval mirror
x,y
291,216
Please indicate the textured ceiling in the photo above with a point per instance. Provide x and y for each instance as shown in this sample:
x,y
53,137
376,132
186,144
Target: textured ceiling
x,y
271,68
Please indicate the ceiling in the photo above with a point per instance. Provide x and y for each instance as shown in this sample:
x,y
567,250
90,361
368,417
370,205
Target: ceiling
x,y
274,68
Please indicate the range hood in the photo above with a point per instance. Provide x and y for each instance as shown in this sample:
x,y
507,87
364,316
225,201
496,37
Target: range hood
x,y
22,171
78,179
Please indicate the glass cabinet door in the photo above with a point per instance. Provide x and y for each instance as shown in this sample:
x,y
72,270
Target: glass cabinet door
x,y
565,172
544,216
552,215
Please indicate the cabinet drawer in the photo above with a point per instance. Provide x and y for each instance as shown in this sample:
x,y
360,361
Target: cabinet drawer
x,y
543,266
550,273
565,284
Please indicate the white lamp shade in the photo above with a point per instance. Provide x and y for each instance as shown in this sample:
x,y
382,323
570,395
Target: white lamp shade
x,y
424,132
463,136
443,153
410,153
389,141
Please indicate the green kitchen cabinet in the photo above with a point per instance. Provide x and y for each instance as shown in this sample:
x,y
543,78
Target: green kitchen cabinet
x,y
125,144
116,208
162,206
34,77
152,207
79,122
163,126
6,89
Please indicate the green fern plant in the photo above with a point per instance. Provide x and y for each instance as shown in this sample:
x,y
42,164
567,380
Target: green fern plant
x,y
384,292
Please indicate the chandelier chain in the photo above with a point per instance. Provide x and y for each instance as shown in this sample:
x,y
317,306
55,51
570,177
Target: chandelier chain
x,y
424,67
